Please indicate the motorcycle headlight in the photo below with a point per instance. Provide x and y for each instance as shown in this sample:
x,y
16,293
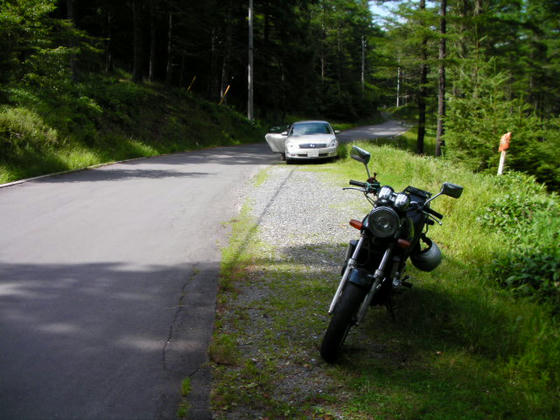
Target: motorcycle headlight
x,y
385,193
383,222
402,201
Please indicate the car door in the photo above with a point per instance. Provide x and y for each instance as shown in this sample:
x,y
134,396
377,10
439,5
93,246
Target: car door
x,y
276,140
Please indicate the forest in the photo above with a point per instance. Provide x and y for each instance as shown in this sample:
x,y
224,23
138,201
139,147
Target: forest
x,y
95,81
464,72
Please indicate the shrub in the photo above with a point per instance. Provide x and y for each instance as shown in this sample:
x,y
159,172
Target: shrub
x,y
530,221
22,129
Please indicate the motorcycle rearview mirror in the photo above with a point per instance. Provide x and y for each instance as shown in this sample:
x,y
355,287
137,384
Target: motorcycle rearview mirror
x,y
362,156
452,190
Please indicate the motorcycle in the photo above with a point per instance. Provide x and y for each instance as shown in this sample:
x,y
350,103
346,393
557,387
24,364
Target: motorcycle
x,y
391,233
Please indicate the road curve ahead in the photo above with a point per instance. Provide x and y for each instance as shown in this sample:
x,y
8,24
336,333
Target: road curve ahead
x,y
108,284
390,128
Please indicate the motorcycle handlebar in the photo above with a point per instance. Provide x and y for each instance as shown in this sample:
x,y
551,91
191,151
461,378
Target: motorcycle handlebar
x,y
358,183
434,213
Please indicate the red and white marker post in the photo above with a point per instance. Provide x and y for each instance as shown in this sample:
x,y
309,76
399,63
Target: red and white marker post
x,y
504,145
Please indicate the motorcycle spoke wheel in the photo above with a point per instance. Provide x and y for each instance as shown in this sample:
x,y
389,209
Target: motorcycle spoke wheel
x,y
342,320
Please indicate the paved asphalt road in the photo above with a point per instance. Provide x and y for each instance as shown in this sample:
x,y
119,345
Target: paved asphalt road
x,y
390,128
108,284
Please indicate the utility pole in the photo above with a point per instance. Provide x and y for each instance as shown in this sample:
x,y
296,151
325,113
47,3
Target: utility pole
x,y
250,66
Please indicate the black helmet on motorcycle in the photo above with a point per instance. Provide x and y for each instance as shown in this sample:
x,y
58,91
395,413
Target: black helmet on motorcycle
x,y
427,259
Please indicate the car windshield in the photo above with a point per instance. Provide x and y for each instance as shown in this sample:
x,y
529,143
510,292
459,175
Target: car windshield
x,y
310,128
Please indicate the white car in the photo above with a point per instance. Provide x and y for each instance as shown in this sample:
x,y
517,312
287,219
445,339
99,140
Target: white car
x,y
305,140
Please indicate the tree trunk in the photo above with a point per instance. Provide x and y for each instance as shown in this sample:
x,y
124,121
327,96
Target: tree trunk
x,y
169,69
182,73
250,110
398,86
323,42
227,52
70,15
441,92
151,71
363,73
137,47
70,9
108,45
422,91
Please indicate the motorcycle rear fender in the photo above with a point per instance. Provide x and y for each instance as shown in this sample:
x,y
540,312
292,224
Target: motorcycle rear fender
x,y
361,278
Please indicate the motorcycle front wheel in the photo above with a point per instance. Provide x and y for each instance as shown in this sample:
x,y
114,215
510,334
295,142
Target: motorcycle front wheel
x,y
342,320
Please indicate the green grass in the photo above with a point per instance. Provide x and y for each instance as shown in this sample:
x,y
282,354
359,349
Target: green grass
x,y
462,347
184,406
106,119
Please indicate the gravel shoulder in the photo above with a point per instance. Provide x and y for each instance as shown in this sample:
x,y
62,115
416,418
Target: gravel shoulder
x,y
277,312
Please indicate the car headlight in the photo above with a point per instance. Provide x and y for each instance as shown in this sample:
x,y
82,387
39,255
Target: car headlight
x,y
333,143
383,222
291,146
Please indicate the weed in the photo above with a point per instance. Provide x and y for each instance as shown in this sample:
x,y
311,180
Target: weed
x,y
223,350
184,406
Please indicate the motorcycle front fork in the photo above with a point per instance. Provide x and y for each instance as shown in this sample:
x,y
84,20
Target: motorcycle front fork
x,y
351,264
377,280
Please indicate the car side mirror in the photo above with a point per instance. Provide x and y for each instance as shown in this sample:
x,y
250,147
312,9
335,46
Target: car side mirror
x,y
336,131
360,155
284,133
452,190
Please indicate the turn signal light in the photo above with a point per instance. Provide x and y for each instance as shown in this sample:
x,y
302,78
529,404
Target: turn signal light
x,y
356,224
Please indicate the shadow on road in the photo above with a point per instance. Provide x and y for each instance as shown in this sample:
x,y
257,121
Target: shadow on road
x,y
87,327
167,166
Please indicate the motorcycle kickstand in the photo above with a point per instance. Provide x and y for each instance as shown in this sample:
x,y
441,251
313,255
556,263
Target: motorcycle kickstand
x,y
390,309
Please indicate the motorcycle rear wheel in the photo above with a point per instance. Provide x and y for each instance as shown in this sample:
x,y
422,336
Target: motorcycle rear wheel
x,y
342,320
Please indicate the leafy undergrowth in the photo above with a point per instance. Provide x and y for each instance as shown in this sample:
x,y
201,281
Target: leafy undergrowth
x,y
55,125
463,345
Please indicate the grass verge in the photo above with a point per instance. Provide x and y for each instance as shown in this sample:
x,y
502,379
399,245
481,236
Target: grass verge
x,y
462,347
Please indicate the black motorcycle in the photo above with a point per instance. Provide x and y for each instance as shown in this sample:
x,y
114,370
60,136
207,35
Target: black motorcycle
x,y
393,231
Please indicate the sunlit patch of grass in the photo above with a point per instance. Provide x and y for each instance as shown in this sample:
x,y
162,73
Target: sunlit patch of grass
x,y
261,177
80,158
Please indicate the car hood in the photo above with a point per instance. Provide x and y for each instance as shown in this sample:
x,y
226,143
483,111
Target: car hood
x,y
312,138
